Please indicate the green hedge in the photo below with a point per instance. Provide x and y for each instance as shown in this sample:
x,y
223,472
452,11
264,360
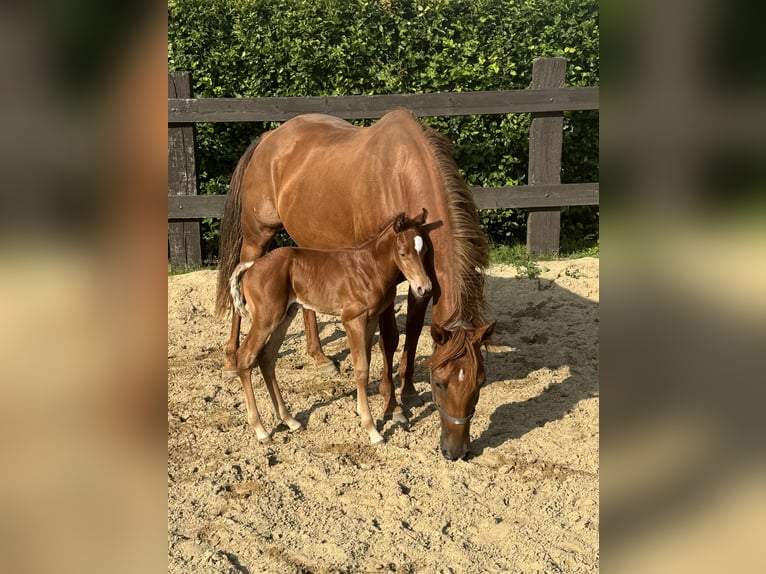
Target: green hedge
x,y
248,48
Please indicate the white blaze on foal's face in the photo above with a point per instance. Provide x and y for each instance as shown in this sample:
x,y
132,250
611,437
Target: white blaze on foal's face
x,y
418,243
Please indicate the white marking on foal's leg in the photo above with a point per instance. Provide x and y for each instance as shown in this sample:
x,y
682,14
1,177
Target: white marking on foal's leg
x,y
418,243
291,423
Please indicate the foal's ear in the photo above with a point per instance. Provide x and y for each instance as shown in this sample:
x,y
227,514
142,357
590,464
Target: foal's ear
x,y
439,335
422,218
399,222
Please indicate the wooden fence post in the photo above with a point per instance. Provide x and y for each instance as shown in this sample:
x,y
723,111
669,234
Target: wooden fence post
x,y
545,140
184,245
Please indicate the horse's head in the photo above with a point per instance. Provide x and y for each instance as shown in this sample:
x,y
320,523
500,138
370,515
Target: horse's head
x,y
457,374
409,253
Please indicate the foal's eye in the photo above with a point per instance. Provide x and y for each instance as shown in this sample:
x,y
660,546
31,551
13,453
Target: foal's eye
x,y
402,254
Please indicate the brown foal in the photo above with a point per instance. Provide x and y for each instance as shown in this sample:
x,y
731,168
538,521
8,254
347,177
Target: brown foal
x,y
356,284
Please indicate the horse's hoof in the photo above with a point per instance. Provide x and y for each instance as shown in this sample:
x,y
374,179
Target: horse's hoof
x,y
396,416
227,375
265,439
412,400
399,417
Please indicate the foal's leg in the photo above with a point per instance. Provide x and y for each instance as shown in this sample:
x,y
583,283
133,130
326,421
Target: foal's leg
x,y
389,337
267,360
416,312
357,333
313,346
247,355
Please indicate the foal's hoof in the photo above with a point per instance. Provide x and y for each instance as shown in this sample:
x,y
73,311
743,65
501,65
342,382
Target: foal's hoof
x,y
265,439
227,375
375,438
328,369
293,425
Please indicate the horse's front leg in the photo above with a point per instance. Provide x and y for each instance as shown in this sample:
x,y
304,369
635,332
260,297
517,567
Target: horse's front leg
x,y
313,346
416,312
389,338
358,341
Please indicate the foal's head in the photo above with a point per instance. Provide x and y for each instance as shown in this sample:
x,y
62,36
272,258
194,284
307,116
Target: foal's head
x,y
410,252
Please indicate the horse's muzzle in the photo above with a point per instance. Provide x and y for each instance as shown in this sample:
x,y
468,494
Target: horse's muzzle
x,y
421,291
454,447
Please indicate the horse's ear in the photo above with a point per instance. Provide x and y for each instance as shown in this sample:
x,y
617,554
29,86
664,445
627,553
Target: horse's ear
x,y
439,335
399,223
422,219
483,334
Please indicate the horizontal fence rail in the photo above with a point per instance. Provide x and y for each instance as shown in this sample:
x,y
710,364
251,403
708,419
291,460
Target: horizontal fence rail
x,y
547,99
181,207
182,111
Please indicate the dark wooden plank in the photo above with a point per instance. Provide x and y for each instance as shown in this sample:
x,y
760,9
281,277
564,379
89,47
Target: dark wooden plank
x,y
184,239
182,207
176,236
545,140
182,111
529,196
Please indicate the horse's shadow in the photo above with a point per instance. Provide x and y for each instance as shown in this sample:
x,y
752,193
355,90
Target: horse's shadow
x,y
532,314
550,405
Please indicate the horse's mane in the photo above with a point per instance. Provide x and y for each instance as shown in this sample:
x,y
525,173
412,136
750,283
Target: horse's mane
x,y
469,243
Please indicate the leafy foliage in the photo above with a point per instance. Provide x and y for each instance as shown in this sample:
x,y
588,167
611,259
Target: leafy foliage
x,y
251,48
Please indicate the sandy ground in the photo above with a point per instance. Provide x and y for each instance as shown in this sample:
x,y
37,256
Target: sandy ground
x,y
324,500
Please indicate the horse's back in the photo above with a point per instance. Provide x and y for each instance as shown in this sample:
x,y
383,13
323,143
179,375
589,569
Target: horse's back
x,y
332,184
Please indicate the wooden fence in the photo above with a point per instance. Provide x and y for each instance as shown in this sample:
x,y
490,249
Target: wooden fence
x,y
546,99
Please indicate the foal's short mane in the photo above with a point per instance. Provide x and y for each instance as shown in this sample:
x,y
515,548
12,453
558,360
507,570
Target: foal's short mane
x,y
469,243
381,232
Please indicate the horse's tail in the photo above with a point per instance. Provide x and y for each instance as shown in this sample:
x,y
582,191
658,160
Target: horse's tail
x,y
235,289
231,233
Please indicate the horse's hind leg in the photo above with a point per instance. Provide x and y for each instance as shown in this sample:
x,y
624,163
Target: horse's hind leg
x,y
267,360
389,337
313,346
230,350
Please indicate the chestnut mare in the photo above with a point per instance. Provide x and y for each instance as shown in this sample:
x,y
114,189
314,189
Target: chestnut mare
x,y
330,185
355,284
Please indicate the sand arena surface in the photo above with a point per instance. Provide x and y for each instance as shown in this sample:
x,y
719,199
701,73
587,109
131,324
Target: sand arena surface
x,y
324,500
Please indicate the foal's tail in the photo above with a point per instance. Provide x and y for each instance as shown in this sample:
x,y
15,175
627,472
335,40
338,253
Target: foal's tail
x,y
231,233
235,289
